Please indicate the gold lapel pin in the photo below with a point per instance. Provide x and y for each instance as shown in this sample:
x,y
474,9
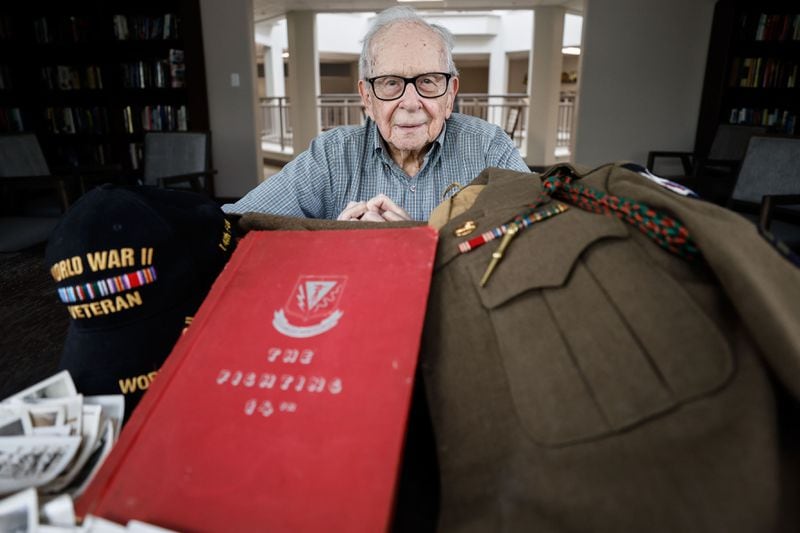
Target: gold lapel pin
x,y
465,229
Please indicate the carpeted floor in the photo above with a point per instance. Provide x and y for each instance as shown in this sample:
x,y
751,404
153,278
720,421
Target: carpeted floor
x,y
33,323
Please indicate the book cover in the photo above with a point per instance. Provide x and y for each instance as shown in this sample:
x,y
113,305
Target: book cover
x,y
283,407
177,68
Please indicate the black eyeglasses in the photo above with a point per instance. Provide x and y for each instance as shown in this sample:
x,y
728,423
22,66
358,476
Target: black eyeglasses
x,y
429,85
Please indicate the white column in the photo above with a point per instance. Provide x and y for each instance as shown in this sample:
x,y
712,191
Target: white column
x,y
498,73
273,65
303,77
545,84
232,109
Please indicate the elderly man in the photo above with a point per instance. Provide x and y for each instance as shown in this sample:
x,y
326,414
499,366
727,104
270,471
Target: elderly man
x,y
412,148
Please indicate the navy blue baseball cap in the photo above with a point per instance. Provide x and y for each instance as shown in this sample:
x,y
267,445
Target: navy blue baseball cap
x,y
132,265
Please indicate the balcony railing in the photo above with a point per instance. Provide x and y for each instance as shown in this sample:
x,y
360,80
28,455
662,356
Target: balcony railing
x,y
340,110
565,124
509,111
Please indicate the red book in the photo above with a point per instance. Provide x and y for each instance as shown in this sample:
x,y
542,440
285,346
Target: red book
x,y
283,407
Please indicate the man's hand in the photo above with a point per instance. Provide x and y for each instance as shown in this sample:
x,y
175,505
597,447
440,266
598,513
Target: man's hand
x,y
378,209
353,211
386,208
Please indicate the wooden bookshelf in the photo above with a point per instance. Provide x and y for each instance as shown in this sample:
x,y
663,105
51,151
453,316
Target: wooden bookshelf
x,y
89,77
753,69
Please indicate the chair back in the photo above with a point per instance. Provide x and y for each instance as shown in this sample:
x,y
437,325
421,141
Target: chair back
x,y
512,121
771,166
174,153
21,155
730,141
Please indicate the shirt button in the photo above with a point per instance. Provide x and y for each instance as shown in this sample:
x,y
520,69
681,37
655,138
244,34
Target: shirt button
x,y
413,188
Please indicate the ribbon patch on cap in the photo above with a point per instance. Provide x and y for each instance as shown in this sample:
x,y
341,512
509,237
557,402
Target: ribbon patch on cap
x,y
108,295
108,286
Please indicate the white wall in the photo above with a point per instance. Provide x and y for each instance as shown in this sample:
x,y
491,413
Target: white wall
x,y
517,30
341,33
234,130
573,28
641,77
466,23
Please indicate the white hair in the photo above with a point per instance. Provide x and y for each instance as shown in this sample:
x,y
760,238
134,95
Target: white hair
x,y
403,14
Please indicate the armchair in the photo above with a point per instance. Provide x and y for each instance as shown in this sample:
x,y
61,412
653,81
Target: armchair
x,y
723,158
178,160
32,199
23,170
512,121
770,177
712,175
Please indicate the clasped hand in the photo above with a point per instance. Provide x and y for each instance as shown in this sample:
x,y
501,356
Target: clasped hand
x,y
378,209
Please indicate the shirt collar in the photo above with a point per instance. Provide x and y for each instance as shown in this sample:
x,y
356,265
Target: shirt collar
x,y
377,140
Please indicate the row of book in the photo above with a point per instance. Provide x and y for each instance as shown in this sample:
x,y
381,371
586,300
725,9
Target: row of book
x,y
765,72
94,120
778,120
11,120
146,74
69,29
155,118
67,78
771,27
71,120
145,28
76,29
163,73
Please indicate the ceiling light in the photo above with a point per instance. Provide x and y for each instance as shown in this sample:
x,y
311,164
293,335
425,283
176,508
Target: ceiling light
x,y
571,50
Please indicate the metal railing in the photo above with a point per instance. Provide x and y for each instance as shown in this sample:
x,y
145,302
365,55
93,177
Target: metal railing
x,y
509,111
565,123
340,110
277,129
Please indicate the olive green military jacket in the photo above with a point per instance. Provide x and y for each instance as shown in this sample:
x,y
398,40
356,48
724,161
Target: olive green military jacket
x,y
600,383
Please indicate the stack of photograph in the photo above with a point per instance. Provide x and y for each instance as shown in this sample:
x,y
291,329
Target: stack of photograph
x,y
52,441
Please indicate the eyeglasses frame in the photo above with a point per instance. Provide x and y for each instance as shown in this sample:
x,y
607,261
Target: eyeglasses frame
x,y
406,81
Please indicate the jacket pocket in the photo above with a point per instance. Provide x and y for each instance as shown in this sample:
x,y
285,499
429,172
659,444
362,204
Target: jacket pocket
x,y
593,336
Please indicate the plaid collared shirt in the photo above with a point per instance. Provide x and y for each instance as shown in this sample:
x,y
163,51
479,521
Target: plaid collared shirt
x,y
351,163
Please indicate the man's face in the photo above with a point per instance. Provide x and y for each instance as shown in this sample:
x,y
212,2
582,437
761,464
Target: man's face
x,y
411,122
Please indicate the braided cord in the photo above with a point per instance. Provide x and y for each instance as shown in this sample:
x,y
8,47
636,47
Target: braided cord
x,y
661,228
